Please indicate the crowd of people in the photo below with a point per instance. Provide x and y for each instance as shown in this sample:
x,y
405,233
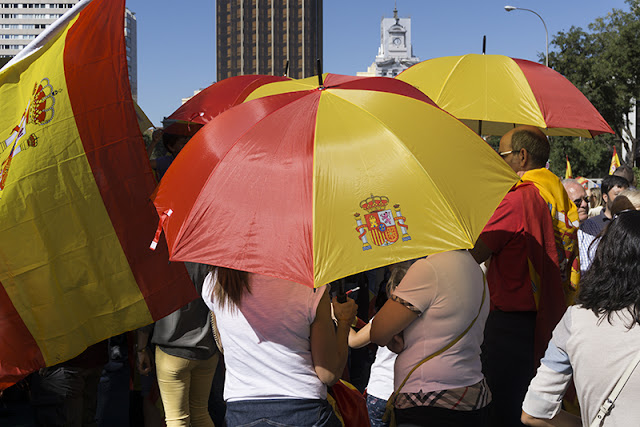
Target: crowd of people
x,y
535,325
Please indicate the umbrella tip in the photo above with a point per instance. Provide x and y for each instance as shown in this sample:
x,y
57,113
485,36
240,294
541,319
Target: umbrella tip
x,y
320,82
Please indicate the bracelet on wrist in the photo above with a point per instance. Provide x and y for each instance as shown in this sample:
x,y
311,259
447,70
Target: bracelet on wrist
x,y
143,349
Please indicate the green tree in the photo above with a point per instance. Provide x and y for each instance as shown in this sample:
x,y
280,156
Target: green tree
x,y
604,63
588,158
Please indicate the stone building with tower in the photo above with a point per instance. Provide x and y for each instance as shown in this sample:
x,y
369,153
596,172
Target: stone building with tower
x,y
395,53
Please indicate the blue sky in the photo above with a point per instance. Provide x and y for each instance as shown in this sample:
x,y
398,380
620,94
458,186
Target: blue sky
x,y
176,40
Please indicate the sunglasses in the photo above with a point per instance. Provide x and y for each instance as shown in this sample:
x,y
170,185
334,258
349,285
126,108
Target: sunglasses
x,y
578,202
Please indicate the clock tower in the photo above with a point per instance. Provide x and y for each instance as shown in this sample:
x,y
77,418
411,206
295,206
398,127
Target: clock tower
x,y
395,53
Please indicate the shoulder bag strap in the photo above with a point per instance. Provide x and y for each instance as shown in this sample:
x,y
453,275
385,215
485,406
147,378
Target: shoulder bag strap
x,y
608,402
391,401
216,333
214,323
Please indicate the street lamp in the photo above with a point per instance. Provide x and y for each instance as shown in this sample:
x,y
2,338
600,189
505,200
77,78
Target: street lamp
x,y
510,8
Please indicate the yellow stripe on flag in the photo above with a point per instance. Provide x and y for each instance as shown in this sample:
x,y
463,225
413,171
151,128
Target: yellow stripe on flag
x,y
58,278
615,161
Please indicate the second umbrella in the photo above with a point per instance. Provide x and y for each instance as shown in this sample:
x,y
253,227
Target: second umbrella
x,y
492,94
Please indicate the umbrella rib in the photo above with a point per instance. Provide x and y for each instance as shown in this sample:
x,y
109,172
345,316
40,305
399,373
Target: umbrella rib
x,y
222,157
446,80
398,142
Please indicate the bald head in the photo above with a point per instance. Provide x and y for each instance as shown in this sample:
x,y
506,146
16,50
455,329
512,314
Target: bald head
x,y
527,148
578,195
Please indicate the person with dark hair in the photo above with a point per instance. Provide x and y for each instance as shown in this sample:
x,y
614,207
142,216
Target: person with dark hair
x,y
627,173
611,186
281,348
627,200
531,243
174,143
596,339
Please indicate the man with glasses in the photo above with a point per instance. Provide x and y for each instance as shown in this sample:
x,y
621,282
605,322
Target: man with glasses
x,y
578,195
524,274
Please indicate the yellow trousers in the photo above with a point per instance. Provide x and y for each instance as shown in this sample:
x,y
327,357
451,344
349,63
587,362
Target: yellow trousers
x,y
184,387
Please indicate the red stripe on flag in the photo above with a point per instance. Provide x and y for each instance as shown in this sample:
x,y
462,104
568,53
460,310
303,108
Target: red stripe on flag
x,y
19,352
98,86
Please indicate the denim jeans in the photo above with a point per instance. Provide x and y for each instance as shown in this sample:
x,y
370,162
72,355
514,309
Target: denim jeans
x,y
113,389
281,413
376,408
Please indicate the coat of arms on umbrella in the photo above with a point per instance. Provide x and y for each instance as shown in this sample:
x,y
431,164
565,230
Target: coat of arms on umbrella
x,y
382,226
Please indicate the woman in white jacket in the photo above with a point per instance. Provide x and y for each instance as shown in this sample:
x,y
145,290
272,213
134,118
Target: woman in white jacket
x,y
596,339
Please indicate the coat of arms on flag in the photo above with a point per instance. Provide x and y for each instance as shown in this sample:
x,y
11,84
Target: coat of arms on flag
x,y
39,111
382,226
75,214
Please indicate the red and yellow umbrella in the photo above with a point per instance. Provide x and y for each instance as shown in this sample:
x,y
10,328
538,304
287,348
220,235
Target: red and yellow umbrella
x,y
312,183
492,94
213,100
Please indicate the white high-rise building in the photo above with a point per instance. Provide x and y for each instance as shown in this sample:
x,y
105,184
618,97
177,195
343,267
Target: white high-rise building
x,y
131,41
395,53
20,23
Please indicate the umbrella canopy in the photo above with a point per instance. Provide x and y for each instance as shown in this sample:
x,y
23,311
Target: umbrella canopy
x,y
213,100
492,94
317,184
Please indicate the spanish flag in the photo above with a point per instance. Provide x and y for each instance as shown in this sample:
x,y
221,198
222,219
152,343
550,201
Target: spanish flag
x,y
75,219
568,173
615,161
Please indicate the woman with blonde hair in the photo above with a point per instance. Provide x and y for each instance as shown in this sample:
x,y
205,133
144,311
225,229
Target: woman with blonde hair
x,y
595,201
281,348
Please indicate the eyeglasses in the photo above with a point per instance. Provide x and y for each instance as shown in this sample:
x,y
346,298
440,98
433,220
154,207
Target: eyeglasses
x,y
505,153
578,202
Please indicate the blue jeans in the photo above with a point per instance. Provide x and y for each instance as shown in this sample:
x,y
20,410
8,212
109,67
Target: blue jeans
x,y
281,413
376,408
